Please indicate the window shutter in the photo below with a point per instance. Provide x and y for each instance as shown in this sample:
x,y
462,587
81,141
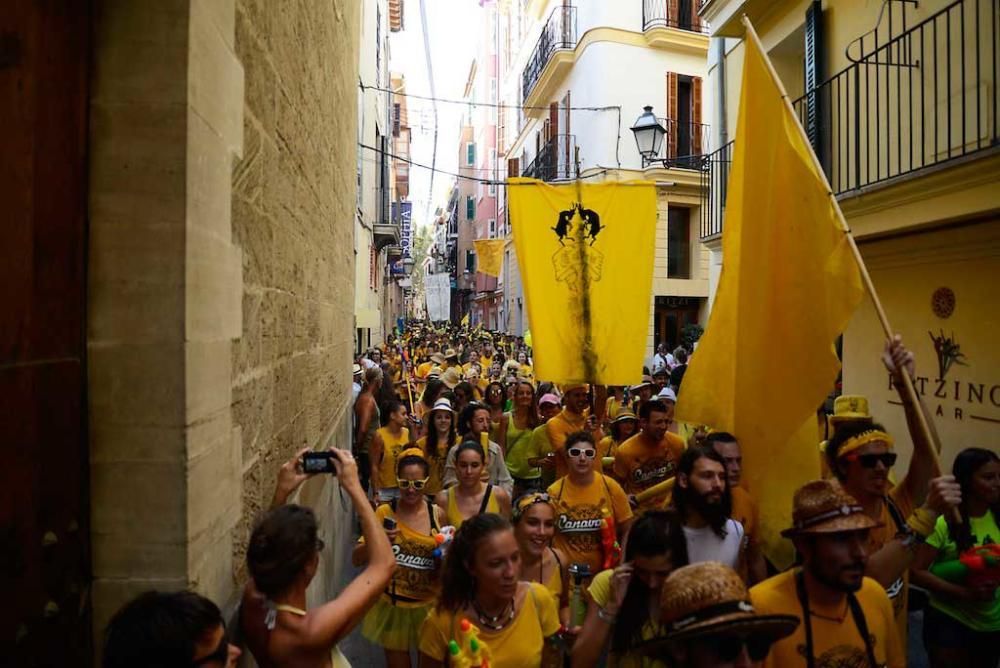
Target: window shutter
x,y
696,126
695,19
814,74
553,119
513,167
671,108
673,13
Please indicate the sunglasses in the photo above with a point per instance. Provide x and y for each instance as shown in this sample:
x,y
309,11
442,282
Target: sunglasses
x,y
219,655
415,484
870,461
577,452
728,647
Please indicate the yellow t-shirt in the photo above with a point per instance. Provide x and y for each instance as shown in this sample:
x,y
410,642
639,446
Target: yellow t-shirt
x,y
436,464
424,368
746,512
640,463
607,447
600,592
517,645
391,447
415,582
555,433
836,639
579,512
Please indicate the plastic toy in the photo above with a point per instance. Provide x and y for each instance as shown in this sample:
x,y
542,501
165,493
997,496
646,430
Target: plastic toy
x,y
443,539
468,651
976,567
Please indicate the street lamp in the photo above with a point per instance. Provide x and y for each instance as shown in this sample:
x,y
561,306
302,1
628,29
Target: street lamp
x,y
407,265
649,135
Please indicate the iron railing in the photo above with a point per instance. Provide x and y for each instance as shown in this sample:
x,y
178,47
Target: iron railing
x,y
714,186
923,98
554,160
679,14
683,146
559,33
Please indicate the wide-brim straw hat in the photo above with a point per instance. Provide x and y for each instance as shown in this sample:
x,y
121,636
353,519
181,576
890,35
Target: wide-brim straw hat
x,y
451,377
438,358
667,394
647,381
822,506
707,599
850,408
450,353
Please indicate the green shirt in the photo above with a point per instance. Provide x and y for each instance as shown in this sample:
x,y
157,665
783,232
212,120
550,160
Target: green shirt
x,y
979,616
519,451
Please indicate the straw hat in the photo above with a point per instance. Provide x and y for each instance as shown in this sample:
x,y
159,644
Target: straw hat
x,y
569,387
647,381
707,599
435,372
443,404
438,358
624,414
450,354
451,377
822,506
849,408
357,370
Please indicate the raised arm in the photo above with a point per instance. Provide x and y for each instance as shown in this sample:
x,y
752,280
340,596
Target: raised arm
x,y
327,624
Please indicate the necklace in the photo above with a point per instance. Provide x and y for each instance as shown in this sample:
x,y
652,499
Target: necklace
x,y
491,622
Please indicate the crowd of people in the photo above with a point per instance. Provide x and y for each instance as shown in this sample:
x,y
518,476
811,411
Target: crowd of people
x,y
508,521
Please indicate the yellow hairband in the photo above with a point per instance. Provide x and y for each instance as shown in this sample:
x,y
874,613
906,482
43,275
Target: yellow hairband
x,y
863,439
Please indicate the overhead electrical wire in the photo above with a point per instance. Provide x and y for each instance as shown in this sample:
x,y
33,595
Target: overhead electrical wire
x,y
472,103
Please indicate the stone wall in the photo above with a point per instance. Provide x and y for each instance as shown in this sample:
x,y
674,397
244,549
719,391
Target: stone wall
x,y
293,214
220,288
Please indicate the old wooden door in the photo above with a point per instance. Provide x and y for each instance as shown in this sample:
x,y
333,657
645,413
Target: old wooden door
x,y
44,561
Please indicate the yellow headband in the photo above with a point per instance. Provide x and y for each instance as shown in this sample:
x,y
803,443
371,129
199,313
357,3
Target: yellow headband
x,y
529,500
412,452
863,439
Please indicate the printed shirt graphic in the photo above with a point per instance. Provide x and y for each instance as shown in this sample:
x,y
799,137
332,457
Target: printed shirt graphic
x,y
415,581
579,514
585,253
640,464
837,642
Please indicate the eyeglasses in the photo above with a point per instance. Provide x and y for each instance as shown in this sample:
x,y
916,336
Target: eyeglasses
x,y
577,452
728,647
219,655
870,461
415,484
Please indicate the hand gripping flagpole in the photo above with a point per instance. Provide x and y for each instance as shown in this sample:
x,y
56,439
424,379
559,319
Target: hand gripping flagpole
x,y
911,393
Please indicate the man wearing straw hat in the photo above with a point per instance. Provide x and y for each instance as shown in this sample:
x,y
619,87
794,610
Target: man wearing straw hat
x,y
710,621
847,618
860,455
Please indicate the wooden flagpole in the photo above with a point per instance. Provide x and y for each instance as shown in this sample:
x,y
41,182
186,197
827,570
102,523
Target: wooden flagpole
x,y
911,393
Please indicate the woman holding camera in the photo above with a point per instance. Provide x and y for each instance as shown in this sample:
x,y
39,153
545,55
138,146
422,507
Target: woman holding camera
x,y
411,524
283,557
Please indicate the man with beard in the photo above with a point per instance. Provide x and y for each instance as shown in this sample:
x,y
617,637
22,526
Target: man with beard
x,y
847,618
649,457
701,496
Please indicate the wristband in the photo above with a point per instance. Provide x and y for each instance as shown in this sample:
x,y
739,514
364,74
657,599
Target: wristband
x,y
606,616
922,521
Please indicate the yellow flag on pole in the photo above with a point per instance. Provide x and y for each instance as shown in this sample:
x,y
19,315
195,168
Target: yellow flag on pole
x,y
788,287
489,256
585,252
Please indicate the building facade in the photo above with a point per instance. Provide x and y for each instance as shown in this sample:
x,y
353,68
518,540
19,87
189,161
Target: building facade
x,y
900,106
178,319
575,77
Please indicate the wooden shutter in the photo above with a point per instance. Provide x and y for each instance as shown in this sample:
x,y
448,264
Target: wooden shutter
x,y
553,119
513,167
814,74
566,131
695,19
674,13
696,126
671,108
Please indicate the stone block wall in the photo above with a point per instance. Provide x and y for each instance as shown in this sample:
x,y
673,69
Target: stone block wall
x,y
293,204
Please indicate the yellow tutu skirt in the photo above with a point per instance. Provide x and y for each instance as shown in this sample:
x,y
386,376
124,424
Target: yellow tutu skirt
x,y
394,627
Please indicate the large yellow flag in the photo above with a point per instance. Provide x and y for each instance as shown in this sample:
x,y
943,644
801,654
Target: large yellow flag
x,y
586,257
489,256
788,287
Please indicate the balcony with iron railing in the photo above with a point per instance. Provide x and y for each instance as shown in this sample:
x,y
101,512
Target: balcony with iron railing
x,y
924,98
558,34
554,161
680,14
714,184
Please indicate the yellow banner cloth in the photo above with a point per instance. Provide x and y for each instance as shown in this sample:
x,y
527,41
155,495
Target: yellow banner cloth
x,y
788,287
585,252
489,256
